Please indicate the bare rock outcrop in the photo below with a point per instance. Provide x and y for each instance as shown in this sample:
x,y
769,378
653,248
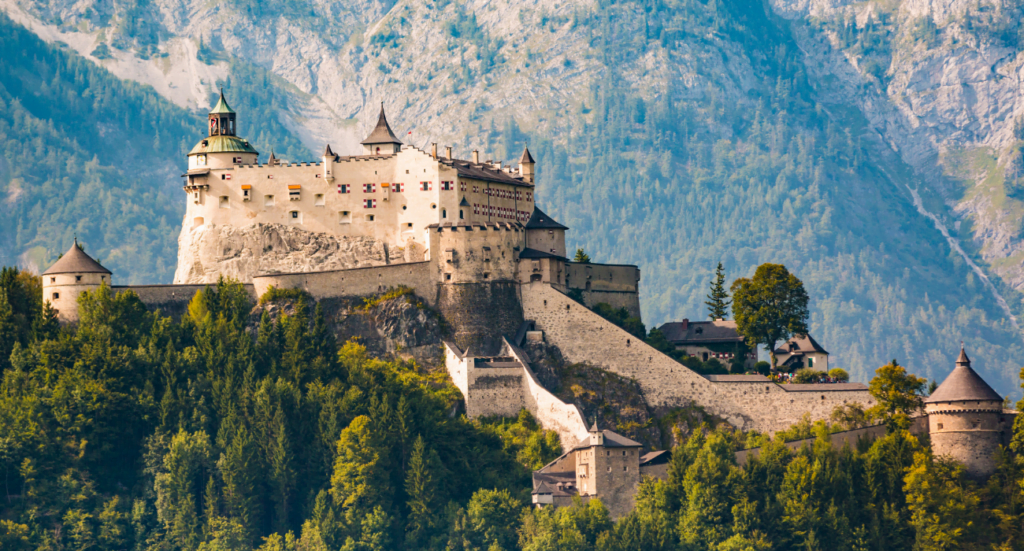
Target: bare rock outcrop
x,y
207,252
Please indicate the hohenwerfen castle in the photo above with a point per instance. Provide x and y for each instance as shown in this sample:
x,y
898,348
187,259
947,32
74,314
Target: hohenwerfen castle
x,y
467,237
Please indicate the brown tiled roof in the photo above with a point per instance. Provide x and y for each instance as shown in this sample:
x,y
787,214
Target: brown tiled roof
x,y
655,458
540,221
804,343
484,172
382,132
75,261
963,385
687,332
737,378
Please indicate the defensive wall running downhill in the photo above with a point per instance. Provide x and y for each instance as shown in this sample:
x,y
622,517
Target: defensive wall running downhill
x,y
748,403
420,276
615,284
505,384
480,313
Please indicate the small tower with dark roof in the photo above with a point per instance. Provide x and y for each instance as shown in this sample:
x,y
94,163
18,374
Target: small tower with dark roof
x,y
527,166
608,467
72,274
965,419
381,141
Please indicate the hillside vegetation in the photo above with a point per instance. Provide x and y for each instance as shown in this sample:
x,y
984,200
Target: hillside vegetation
x,y
133,431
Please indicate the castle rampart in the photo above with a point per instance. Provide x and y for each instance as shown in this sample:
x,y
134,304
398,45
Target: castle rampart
x,y
420,276
583,336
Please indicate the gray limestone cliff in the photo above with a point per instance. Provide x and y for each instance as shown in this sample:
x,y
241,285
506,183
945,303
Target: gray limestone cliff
x,y
207,252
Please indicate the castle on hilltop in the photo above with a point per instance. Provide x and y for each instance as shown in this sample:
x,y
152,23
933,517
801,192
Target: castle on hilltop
x,y
467,237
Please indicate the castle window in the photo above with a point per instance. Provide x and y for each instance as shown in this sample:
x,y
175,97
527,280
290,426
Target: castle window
x,y
399,188
78,278
448,276
344,188
200,160
345,217
425,186
270,176
626,468
406,171
318,200
447,186
487,276
294,217
56,296
370,218
462,215
246,193
369,188
433,206
810,362
236,160
939,426
444,213
294,192
268,200
370,203
609,469
53,280
223,201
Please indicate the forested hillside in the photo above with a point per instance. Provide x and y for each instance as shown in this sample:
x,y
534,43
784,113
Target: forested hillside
x,y
86,153
232,430
673,134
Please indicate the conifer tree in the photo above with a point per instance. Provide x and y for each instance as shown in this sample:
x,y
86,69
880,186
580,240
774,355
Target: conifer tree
x,y
581,257
421,487
718,301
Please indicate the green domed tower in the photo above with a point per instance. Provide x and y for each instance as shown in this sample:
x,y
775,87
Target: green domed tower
x,y
222,148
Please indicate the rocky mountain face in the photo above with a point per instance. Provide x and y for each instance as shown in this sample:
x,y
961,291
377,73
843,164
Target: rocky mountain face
x,y
874,148
241,253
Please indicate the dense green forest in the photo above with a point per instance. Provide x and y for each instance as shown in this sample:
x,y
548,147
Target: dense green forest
x,y
82,152
233,430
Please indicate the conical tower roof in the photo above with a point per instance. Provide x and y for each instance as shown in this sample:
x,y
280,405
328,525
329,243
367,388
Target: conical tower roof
x,y
382,132
963,385
540,221
527,158
222,106
75,261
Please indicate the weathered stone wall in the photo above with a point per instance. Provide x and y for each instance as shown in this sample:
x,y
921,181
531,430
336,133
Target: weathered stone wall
x,y
614,474
583,336
551,412
476,253
918,426
480,313
495,391
419,276
172,300
970,436
614,284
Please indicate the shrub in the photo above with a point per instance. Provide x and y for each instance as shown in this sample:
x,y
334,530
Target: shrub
x,y
839,374
273,293
763,367
807,376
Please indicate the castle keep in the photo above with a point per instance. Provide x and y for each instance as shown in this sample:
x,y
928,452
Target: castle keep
x,y
467,237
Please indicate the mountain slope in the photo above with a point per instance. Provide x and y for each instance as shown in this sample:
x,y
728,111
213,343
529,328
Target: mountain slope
x,y
669,133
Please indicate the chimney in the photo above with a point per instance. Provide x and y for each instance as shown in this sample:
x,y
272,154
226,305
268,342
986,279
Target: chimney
x,y
448,152
476,157
433,150
686,324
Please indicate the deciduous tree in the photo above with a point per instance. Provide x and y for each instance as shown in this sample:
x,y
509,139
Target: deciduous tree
x,y
770,307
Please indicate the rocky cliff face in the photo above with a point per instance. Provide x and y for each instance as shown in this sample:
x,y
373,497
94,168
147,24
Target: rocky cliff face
x,y
208,252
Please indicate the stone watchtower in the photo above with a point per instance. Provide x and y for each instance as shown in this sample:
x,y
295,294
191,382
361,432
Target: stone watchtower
x,y
965,419
608,468
68,277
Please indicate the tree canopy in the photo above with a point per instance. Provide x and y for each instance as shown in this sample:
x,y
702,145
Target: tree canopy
x,y
770,307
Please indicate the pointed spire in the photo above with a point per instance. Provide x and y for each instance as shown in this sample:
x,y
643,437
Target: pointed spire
x,y
222,105
963,360
381,133
595,428
527,158
328,152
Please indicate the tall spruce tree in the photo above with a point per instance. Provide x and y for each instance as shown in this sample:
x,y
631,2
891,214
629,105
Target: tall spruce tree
x,y
718,301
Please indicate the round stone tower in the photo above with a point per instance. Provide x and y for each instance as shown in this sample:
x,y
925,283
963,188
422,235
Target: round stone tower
x,y
965,419
68,277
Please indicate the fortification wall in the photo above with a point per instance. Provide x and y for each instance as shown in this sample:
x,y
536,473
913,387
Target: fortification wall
x,y
480,313
918,426
551,412
495,391
615,284
172,300
583,336
420,276
472,253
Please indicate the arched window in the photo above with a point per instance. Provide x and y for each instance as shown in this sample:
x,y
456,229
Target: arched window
x,y
461,215
444,213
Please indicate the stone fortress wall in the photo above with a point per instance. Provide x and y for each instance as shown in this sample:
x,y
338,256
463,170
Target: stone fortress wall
x,y
615,284
420,276
583,336
509,386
